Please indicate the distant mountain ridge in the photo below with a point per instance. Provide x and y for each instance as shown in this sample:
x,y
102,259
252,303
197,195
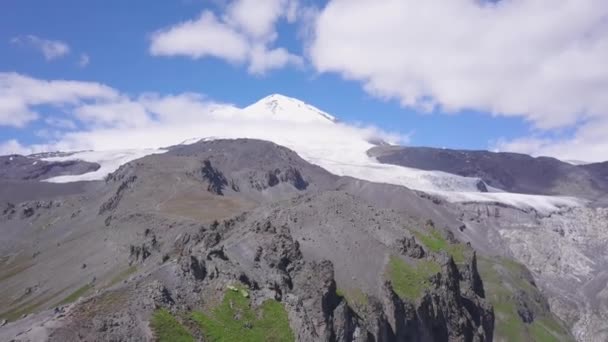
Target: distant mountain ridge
x,y
511,172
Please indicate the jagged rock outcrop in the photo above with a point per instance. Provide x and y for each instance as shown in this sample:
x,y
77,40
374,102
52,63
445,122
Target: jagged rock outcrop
x,y
112,202
291,176
445,313
408,246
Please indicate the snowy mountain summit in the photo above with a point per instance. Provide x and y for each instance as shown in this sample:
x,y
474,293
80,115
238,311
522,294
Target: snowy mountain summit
x,y
283,108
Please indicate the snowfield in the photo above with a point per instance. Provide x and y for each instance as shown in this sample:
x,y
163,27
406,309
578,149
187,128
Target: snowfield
x,y
109,161
320,139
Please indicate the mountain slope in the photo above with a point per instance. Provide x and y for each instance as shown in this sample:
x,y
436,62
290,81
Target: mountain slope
x,y
180,230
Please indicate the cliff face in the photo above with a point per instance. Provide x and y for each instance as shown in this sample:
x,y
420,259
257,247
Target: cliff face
x,y
451,309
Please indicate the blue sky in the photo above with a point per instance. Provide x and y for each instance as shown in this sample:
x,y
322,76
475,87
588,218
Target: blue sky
x,y
117,37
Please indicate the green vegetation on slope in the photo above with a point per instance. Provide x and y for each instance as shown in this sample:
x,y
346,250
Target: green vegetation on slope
x,y
166,328
235,320
30,306
25,309
435,242
410,281
354,297
122,276
502,279
75,295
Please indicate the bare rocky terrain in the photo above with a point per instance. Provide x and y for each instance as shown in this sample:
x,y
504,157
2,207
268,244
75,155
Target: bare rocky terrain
x,y
244,240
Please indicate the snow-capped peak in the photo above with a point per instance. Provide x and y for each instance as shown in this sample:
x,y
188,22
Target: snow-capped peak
x,y
283,108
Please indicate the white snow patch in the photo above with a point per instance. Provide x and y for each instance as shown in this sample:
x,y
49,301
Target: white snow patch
x,y
283,108
542,204
577,162
109,162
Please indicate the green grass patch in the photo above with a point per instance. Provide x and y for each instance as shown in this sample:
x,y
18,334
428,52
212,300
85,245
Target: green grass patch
x,y
435,242
502,279
354,297
122,276
235,320
500,289
30,306
508,323
25,309
541,334
13,271
75,295
410,281
166,328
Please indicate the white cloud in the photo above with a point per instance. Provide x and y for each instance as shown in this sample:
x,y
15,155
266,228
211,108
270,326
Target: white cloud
x,y
84,60
588,143
12,146
254,17
19,95
205,36
263,59
51,49
244,34
14,112
123,113
542,60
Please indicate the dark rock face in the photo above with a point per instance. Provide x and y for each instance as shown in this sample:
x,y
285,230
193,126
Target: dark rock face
x,y
252,164
139,253
449,312
408,246
523,310
195,267
481,186
215,178
9,209
470,275
291,176
20,168
114,200
512,172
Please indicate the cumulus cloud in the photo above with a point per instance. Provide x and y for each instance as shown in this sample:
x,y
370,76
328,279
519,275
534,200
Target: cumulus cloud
x,y
20,95
13,146
543,61
244,35
588,143
51,49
